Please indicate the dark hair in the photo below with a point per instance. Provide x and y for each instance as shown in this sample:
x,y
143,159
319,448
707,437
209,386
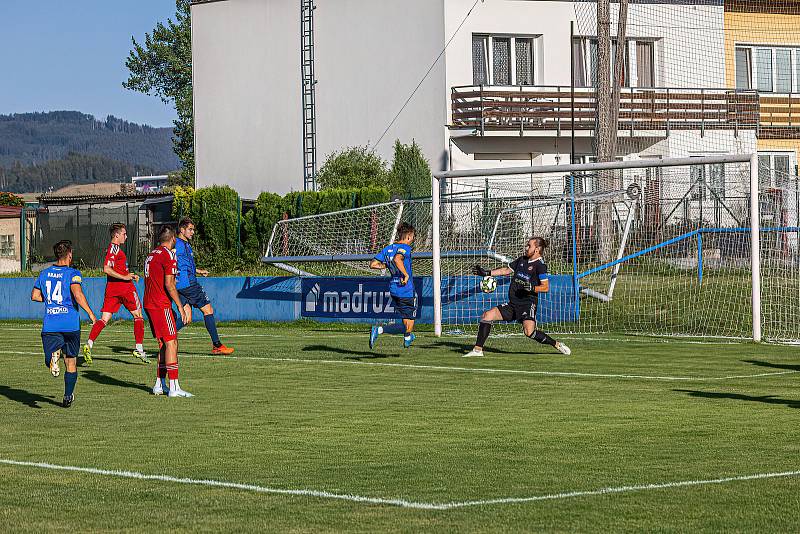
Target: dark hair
x,y
116,227
165,233
62,249
184,223
541,242
404,229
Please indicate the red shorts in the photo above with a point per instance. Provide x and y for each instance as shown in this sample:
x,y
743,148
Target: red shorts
x,y
117,295
162,323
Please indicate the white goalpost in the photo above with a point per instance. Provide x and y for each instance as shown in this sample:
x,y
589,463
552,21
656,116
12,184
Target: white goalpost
x,y
661,213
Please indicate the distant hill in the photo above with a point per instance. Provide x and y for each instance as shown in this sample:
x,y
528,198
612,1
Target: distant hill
x,y
38,137
70,170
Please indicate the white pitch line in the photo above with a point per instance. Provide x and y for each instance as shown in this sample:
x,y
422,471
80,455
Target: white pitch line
x,y
403,503
484,370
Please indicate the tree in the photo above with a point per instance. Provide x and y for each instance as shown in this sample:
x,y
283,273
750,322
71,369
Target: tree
x,y
410,175
353,168
162,67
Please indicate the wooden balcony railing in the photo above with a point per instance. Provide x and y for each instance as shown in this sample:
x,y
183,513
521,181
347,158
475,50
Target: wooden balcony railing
x,y
780,117
550,108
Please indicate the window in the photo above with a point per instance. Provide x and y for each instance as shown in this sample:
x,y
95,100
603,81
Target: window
x,y
480,55
503,60
744,68
768,69
775,169
645,60
705,178
643,52
7,249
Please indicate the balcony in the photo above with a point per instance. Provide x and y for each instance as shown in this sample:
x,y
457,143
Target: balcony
x,y
780,117
549,109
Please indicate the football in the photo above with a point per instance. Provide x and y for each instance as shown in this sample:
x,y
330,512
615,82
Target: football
x,y
488,284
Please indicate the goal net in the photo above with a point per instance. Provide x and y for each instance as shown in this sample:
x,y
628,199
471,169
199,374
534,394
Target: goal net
x,y
661,247
645,247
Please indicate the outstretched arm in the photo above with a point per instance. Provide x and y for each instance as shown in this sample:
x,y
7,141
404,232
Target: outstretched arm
x,y
500,271
376,264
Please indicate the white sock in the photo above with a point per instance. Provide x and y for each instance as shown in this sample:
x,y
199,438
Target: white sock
x,y
158,383
408,335
139,348
380,330
173,384
90,343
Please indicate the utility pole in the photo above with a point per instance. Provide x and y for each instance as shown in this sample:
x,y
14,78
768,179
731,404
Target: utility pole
x,y
608,102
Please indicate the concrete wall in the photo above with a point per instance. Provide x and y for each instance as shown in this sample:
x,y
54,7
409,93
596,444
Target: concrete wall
x,y
246,71
370,55
369,58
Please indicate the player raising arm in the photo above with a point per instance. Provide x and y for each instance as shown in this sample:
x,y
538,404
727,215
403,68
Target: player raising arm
x,y
159,294
59,287
529,278
397,258
120,291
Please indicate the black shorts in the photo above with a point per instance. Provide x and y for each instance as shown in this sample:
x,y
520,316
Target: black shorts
x,y
68,342
194,295
513,311
405,306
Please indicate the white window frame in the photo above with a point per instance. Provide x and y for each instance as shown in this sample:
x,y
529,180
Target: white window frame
x,y
794,58
773,182
512,57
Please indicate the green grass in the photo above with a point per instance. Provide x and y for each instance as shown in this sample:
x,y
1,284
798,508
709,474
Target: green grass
x,y
311,407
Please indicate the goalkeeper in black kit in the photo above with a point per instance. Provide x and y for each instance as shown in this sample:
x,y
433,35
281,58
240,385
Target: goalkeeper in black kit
x,y
529,278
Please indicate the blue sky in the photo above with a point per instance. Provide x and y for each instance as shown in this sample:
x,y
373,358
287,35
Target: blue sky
x,y
70,55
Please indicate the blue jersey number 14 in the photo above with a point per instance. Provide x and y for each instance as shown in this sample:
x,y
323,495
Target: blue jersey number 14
x,y
55,294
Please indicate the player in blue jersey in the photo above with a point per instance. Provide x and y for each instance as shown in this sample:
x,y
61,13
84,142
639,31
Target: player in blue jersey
x,y
191,292
59,287
397,259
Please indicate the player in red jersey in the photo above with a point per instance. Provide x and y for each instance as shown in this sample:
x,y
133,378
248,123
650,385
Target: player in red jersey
x,y
120,291
159,294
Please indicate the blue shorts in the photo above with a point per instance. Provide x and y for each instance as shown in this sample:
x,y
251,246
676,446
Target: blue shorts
x,y
68,342
405,306
194,295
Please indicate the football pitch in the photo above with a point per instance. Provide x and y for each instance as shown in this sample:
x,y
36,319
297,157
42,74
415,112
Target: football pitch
x,y
305,429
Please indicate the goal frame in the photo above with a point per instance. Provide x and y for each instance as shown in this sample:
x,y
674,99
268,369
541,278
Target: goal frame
x,y
570,170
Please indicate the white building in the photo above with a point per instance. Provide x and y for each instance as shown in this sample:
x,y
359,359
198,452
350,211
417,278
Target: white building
x,y
498,95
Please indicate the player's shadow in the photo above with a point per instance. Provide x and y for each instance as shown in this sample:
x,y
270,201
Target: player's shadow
x,y
120,350
764,399
761,363
27,398
463,348
338,350
100,378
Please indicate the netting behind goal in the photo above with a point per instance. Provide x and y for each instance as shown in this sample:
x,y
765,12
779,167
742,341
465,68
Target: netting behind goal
x,y
658,250
641,250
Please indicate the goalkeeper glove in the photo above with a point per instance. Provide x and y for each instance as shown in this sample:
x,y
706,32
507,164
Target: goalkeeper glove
x,y
480,271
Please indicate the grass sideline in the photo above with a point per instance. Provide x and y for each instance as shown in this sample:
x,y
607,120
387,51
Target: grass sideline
x,y
310,407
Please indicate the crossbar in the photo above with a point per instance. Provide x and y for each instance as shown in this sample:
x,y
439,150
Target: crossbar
x,y
583,167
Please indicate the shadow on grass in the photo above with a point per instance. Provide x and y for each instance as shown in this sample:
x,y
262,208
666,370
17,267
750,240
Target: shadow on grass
x,y
338,350
761,363
463,348
765,399
100,378
27,398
